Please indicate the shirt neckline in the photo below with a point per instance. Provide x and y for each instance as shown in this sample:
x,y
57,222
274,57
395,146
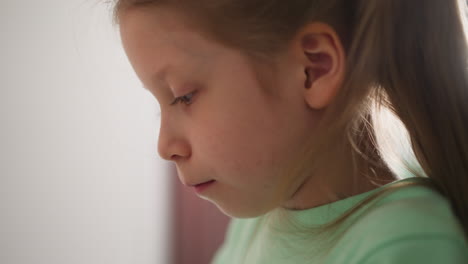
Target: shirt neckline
x,y
325,213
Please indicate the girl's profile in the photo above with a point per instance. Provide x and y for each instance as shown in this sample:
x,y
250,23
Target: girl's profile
x,y
331,131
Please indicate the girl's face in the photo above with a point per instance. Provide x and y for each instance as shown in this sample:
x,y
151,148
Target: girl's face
x,y
225,127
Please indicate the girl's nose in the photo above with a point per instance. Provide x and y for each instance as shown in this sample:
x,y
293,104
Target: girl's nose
x,y
172,145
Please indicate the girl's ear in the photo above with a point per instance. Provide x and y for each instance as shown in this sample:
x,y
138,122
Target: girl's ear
x,y
322,59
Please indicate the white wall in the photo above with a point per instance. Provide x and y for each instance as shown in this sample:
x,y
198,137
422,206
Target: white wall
x,y
80,180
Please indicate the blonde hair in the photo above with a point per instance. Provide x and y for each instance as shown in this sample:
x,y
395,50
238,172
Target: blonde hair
x,y
405,56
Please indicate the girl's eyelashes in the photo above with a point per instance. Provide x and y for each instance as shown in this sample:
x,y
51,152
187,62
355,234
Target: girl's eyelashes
x,y
186,99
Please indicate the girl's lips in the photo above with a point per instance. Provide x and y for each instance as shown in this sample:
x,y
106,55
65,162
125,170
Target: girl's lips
x,y
203,186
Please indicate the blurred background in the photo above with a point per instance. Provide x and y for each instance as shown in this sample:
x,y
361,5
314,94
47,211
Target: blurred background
x,y
80,179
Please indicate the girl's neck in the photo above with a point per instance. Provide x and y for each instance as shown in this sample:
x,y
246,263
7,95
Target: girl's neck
x,y
337,181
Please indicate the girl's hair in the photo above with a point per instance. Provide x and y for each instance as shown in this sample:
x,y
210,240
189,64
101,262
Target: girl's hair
x,y
409,57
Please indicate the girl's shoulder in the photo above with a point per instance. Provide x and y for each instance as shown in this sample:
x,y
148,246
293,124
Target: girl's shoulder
x,y
411,210
412,225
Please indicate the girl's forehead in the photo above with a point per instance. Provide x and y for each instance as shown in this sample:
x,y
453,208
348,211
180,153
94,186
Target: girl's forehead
x,y
165,30
162,49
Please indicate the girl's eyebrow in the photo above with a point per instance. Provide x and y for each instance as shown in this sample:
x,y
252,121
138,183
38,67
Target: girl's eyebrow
x,y
159,78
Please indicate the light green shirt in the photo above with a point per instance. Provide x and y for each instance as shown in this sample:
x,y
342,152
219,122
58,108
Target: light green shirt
x,y
411,225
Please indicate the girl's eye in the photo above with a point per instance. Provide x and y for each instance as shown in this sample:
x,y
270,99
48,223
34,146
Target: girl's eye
x,y
186,99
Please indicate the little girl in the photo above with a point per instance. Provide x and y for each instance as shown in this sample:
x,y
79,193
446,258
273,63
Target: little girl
x,y
277,112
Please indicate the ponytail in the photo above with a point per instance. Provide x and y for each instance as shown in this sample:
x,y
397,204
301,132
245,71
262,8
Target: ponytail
x,y
417,57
